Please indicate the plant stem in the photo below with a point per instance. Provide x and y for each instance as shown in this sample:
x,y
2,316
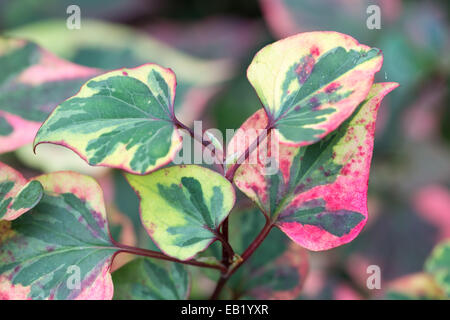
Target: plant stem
x,y
228,251
245,256
231,172
162,256
217,153
220,284
225,252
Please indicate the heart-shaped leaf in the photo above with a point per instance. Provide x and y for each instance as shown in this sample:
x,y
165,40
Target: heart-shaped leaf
x,y
60,249
17,195
182,207
318,196
310,83
122,119
144,279
438,264
33,81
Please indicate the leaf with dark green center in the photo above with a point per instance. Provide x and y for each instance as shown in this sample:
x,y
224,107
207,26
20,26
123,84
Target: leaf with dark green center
x,y
17,195
121,119
33,81
311,82
145,279
182,207
316,194
61,248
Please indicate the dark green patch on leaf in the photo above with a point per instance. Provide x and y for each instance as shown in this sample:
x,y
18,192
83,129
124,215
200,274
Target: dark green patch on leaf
x,y
144,279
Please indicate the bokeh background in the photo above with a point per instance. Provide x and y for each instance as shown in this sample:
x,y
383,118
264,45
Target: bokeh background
x,y
209,45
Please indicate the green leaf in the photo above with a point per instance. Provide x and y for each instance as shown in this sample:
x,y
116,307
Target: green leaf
x,y
316,194
182,207
416,286
144,279
311,82
122,119
438,264
17,195
60,249
32,83
277,269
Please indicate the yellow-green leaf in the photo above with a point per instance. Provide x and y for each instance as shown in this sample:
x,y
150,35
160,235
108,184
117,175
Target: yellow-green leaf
x,y
311,82
438,264
182,207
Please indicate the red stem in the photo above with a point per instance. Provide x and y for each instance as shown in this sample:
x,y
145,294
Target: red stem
x,y
245,256
162,256
231,172
227,250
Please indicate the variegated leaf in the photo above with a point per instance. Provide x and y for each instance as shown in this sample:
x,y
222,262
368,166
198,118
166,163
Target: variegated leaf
x,y
318,196
182,207
311,82
438,264
60,249
17,195
144,279
416,286
32,83
121,119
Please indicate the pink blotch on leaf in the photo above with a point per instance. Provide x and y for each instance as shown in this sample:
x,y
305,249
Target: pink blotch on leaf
x,y
9,291
99,288
51,68
332,87
23,132
304,68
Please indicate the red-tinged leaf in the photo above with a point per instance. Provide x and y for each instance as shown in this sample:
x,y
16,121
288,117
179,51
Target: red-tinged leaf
x,y
312,82
17,195
318,196
32,83
61,249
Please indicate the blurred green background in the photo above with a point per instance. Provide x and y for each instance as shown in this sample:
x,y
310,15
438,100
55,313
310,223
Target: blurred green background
x,y
209,44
